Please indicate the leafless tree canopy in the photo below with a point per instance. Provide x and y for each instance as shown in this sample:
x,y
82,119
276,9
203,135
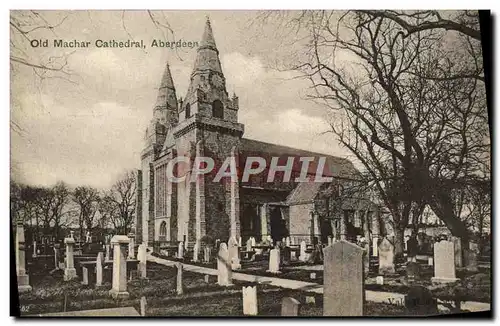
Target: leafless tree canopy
x,y
406,92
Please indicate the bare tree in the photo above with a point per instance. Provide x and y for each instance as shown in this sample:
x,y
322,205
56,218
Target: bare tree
x,y
87,199
418,137
122,194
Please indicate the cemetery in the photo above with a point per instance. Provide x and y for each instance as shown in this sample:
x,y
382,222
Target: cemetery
x,y
124,278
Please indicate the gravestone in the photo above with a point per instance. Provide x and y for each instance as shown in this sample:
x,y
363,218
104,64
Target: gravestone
x,y
34,250
472,257
287,241
108,254
85,275
419,301
457,243
99,269
343,293
131,246
23,281
386,257
330,240
224,272
180,250
375,246
412,271
142,257
249,244
119,283
290,307
179,288
274,261
303,255
254,243
207,278
312,276
196,251
310,299
207,252
57,252
234,253
239,242
430,261
143,306
380,280
69,270
249,300
444,262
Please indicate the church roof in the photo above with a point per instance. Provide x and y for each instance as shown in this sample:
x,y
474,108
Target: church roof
x,y
304,192
334,166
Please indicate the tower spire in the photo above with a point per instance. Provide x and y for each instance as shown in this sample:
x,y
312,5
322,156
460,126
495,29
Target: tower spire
x,y
166,88
208,56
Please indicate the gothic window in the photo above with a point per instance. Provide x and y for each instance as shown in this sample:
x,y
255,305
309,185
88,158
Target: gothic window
x,y
218,109
163,231
188,111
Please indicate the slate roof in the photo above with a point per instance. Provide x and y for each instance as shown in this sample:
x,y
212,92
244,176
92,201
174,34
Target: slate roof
x,y
334,166
304,192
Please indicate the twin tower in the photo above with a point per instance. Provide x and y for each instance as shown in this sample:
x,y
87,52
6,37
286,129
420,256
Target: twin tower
x,y
204,123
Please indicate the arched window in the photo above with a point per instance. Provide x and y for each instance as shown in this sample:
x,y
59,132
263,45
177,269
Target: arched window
x,y
188,111
163,231
218,109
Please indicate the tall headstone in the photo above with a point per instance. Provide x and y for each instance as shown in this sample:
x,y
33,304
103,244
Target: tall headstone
x,y
143,306
330,240
119,285
57,253
180,250
224,272
240,242
444,262
386,257
290,307
99,269
287,241
234,253
23,280
141,256
249,300
249,245
303,255
179,286
34,249
472,257
375,246
254,242
69,270
131,246
196,251
207,252
343,293
274,261
108,254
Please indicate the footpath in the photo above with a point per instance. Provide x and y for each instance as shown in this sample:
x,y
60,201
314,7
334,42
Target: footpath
x,y
374,296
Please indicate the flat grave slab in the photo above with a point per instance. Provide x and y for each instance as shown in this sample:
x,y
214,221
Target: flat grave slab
x,y
110,312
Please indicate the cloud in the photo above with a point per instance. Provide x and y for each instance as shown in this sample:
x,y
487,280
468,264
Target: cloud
x,y
242,70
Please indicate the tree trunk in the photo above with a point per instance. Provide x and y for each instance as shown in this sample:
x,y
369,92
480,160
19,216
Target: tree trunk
x,y
398,242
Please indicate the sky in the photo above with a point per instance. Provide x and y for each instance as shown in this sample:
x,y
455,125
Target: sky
x,y
86,127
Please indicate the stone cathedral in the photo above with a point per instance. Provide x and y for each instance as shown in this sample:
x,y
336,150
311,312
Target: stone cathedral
x,y
205,123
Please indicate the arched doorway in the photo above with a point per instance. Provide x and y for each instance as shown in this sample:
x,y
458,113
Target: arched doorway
x,y
278,226
250,222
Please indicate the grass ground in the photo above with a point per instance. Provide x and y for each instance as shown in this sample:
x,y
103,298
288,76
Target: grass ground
x,y
51,294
